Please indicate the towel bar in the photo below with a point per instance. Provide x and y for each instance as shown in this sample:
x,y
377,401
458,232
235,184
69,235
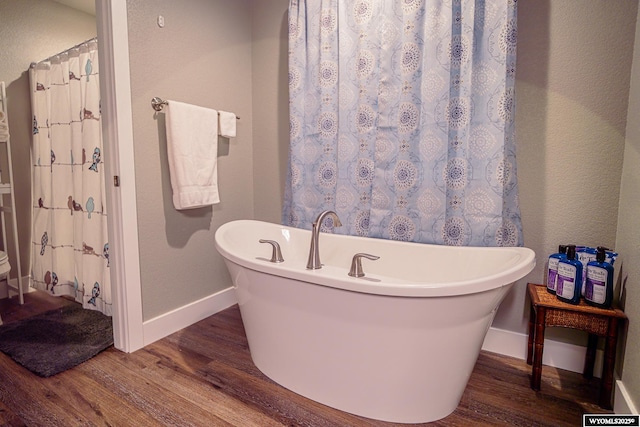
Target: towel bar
x,y
158,104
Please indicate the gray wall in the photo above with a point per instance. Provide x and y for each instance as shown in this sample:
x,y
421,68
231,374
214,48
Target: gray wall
x,y
202,56
628,236
270,106
571,118
30,31
573,74
572,82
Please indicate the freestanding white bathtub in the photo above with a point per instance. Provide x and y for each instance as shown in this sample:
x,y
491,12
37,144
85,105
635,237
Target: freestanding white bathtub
x,y
398,344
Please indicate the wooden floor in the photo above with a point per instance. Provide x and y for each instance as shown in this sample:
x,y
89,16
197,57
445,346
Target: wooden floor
x,y
203,376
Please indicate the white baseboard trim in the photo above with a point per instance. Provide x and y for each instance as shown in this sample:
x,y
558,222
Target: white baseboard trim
x,y
175,320
507,343
622,403
557,354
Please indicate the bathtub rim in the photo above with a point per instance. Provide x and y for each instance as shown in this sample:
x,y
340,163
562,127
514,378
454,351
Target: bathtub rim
x,y
336,277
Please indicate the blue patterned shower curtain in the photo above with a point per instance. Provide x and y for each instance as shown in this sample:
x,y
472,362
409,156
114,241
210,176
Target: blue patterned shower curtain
x,y
402,119
70,249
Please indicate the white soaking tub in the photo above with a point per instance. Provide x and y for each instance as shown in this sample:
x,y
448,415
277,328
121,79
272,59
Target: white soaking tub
x,y
398,344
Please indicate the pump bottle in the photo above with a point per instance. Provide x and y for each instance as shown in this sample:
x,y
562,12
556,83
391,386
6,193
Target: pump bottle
x,y
599,283
569,280
552,270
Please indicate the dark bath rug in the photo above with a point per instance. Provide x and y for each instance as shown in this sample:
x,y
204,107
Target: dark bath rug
x,y
57,340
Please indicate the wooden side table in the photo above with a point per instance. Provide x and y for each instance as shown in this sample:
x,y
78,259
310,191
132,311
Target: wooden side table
x,y
547,310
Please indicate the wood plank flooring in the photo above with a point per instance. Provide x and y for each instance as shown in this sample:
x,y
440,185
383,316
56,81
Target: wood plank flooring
x,y
203,376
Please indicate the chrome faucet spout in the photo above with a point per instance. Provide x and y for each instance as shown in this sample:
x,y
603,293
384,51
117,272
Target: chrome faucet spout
x,y
314,252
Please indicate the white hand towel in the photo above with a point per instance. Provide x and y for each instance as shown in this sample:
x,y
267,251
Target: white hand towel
x,y
192,147
227,124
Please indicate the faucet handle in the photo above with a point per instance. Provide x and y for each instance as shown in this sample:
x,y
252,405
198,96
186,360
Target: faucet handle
x,y
356,264
276,254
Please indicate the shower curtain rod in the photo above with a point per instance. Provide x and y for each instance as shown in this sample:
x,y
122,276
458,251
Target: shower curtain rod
x,y
33,64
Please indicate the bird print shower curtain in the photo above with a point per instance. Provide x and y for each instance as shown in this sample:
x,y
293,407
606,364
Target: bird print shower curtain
x,y
70,253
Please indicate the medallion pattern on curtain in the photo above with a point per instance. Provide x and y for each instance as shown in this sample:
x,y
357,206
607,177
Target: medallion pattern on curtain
x,y
70,253
402,119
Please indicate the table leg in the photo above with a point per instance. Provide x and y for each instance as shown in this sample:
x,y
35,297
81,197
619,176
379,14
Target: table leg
x,y
536,372
532,331
590,359
606,384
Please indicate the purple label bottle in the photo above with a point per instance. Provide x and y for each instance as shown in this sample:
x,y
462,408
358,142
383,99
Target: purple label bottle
x,y
599,283
569,279
552,269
